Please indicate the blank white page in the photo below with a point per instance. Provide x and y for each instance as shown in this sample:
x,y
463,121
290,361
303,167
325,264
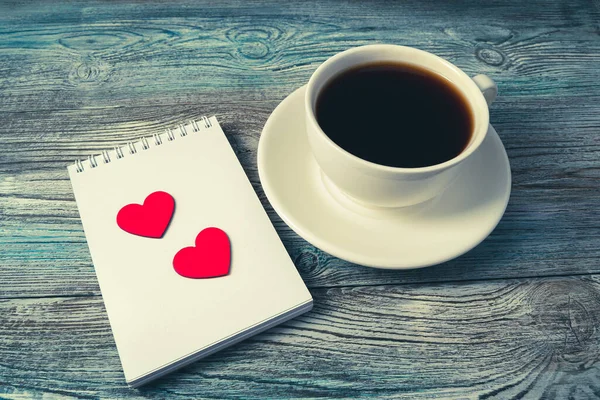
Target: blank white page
x,y
157,316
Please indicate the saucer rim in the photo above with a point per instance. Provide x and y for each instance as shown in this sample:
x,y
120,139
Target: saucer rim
x,y
359,259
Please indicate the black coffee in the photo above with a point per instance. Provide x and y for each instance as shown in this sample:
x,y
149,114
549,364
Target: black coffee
x,y
395,114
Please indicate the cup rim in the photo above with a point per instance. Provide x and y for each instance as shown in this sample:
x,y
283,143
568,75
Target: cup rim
x,y
471,148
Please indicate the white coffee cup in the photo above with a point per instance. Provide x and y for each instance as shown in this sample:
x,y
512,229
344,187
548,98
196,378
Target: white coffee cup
x,y
375,185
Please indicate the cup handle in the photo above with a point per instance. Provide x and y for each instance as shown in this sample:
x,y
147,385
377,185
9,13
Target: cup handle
x,y
487,86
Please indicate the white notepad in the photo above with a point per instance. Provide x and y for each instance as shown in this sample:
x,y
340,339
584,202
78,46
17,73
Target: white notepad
x,y
160,320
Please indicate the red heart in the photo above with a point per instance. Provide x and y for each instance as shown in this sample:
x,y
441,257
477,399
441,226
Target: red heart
x,y
210,258
150,219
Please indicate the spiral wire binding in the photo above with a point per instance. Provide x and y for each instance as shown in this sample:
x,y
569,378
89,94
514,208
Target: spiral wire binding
x,y
105,157
182,130
132,149
78,166
93,162
158,140
170,135
145,144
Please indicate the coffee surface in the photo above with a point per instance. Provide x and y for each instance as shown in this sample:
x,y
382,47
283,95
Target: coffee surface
x,y
395,114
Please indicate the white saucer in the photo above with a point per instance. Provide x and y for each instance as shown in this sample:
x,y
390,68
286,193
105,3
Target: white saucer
x,y
439,230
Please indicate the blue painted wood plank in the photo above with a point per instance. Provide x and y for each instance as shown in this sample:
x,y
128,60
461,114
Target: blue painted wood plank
x,y
530,338
73,56
550,227
77,77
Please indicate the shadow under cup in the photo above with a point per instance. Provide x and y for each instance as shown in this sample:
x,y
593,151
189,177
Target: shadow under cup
x,y
375,185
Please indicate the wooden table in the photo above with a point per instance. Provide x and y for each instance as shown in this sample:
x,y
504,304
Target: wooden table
x,y
517,317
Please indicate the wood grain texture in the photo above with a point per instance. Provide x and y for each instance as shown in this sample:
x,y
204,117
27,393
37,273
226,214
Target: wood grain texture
x,y
507,339
82,55
517,317
550,227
